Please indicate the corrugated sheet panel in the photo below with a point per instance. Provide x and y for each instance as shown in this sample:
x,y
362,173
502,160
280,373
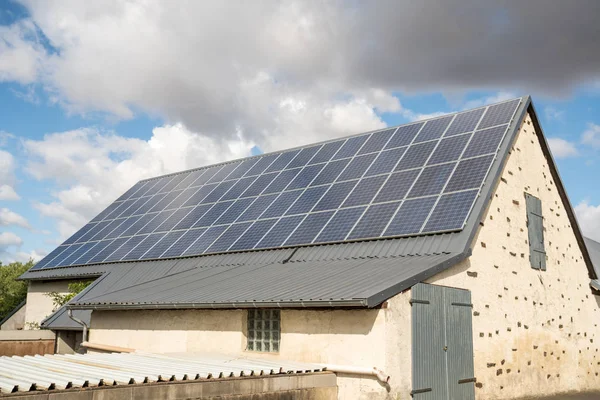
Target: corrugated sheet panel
x,y
56,372
361,281
59,320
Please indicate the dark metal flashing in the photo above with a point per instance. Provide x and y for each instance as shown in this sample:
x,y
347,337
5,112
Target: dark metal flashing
x,y
13,312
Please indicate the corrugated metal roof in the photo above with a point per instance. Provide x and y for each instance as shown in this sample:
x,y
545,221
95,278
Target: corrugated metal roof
x,y
59,320
349,282
593,248
56,372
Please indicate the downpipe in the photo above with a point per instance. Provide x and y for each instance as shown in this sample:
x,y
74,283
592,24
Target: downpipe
x,y
80,322
347,369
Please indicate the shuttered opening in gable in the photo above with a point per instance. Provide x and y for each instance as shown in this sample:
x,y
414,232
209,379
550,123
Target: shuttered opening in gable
x,y
535,228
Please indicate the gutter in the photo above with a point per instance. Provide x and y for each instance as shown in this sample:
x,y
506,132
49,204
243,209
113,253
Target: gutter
x,y
80,322
362,303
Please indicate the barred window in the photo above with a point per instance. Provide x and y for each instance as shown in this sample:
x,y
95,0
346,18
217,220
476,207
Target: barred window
x,y
264,330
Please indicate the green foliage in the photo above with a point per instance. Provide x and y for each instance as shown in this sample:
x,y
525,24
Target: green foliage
x,y
12,292
59,299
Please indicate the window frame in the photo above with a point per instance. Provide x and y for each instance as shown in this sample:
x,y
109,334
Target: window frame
x,y
263,330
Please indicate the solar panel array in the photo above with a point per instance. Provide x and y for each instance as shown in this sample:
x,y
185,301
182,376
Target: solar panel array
x,y
418,178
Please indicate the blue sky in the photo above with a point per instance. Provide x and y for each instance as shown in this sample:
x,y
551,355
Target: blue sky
x,y
97,96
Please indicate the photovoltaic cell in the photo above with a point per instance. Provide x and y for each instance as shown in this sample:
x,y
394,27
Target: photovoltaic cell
x,y
465,122
449,149
235,210
374,220
364,191
377,141
498,114
259,184
340,225
433,129
185,241
469,173
281,204
100,246
388,181
385,161
305,177
404,135
163,244
204,241
125,248
143,246
351,147
278,234
194,215
416,156
228,237
330,172
309,228
432,180
485,141
397,186
282,180
357,167
307,200
451,211
303,157
327,151
255,233
410,216
334,197
213,214
282,161
102,255
257,208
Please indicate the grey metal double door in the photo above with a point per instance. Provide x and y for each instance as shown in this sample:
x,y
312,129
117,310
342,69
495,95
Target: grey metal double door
x,y
442,348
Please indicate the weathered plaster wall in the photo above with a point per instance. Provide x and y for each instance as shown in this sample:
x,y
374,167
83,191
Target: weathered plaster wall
x,y
15,322
366,338
39,305
535,332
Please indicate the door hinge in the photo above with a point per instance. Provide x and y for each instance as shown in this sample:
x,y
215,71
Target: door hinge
x,y
413,301
462,304
418,391
467,380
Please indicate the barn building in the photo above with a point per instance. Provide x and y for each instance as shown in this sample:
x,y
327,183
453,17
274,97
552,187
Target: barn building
x,y
444,253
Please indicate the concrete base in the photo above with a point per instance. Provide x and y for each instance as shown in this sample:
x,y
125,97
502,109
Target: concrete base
x,y
316,386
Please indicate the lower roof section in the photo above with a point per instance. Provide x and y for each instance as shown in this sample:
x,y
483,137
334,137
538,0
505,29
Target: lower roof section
x,y
179,284
59,372
60,320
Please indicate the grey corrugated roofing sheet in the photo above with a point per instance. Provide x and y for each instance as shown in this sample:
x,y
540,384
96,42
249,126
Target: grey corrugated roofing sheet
x,y
593,248
361,282
60,321
59,372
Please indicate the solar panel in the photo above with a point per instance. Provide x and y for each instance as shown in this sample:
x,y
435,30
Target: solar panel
x,y
418,178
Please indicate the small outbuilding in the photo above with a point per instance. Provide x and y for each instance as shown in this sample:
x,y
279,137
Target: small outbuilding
x,y
443,254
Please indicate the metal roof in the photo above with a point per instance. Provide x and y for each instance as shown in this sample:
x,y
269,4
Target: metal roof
x,y
360,282
368,272
593,248
60,321
58,372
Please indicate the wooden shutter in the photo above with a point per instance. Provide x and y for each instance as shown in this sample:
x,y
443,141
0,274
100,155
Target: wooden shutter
x,y
535,228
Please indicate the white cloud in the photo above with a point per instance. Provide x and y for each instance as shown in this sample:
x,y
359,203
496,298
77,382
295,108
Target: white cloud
x,y
92,168
554,114
8,193
588,217
484,101
9,242
10,218
562,148
21,53
591,136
